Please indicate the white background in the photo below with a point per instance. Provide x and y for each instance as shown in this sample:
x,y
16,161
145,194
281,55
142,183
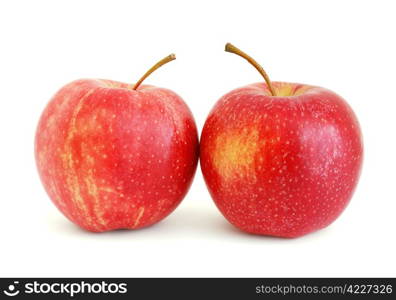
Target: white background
x,y
346,46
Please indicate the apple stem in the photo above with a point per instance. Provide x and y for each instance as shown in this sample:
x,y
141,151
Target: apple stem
x,y
232,49
153,68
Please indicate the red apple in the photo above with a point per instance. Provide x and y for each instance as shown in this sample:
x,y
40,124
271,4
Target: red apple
x,y
281,159
113,155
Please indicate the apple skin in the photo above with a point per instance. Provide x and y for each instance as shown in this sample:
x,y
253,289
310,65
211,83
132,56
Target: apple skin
x,y
281,166
111,157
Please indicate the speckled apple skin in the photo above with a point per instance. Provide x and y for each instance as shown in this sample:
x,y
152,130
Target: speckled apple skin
x,y
111,157
281,166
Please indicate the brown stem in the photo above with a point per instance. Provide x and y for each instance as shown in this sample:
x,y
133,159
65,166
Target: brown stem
x,y
153,68
232,49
